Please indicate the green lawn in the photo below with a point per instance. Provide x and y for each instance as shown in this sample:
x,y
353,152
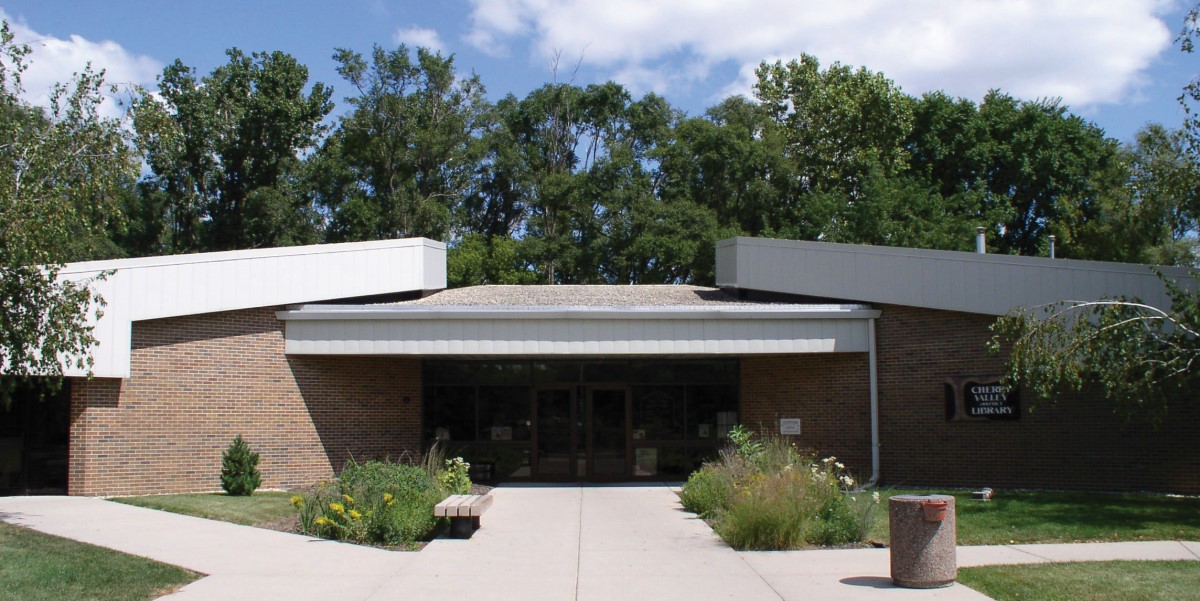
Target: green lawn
x,y
37,566
1023,517
1053,517
260,509
1097,581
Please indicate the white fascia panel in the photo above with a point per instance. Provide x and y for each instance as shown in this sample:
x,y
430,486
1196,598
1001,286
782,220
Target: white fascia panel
x,y
174,286
524,337
954,281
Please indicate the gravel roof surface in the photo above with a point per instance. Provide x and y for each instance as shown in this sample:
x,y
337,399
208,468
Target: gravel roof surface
x,y
582,296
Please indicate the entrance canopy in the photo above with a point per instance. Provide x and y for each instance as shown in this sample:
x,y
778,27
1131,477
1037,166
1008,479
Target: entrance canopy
x,y
577,320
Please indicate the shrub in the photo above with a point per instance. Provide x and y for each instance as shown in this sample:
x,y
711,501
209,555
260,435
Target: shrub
x,y
765,494
455,478
768,512
378,502
707,492
239,469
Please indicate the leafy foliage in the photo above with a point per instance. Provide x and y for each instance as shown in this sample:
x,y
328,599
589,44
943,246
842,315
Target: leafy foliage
x,y
65,167
403,157
586,184
223,151
454,477
239,469
1139,355
763,494
379,502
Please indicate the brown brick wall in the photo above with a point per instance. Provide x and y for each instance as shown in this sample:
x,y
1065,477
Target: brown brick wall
x,y
1077,443
830,394
198,381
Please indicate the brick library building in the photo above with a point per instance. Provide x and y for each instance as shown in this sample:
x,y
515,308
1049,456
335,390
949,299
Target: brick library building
x,y
321,354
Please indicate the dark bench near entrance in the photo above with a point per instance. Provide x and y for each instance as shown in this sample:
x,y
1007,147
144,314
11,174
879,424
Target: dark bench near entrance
x,y
464,512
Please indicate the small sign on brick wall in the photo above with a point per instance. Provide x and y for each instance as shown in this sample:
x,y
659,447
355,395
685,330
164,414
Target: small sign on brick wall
x,y
789,426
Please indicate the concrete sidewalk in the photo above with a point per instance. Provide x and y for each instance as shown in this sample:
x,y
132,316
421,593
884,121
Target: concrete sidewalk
x,y
553,543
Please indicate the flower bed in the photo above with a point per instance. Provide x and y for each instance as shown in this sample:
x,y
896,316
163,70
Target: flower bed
x,y
381,502
764,494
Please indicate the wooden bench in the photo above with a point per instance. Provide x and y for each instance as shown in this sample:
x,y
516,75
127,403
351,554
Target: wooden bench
x,y
464,512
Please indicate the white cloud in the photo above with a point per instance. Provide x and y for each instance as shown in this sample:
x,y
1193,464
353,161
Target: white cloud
x,y
1084,51
419,37
54,60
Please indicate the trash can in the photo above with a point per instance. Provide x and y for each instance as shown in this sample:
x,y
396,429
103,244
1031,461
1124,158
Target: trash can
x,y
923,540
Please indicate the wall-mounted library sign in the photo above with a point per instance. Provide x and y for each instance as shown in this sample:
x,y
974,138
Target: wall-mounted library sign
x,y
976,398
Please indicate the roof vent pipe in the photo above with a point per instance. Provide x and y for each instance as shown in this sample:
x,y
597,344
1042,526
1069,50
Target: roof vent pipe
x,y
980,241
1051,246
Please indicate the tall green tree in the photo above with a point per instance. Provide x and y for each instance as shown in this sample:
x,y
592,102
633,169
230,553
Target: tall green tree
x,y
1031,166
840,123
1146,205
65,167
224,151
731,161
405,157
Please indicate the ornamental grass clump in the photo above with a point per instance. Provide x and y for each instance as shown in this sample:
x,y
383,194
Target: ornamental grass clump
x,y
376,502
764,494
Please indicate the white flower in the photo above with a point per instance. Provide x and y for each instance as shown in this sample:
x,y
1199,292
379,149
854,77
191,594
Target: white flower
x,y
875,496
828,460
839,465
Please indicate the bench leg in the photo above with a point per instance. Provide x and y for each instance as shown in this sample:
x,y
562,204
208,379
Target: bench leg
x,y
475,523
462,527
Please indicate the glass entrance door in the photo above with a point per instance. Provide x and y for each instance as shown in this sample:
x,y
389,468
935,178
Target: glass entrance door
x,y
608,433
557,433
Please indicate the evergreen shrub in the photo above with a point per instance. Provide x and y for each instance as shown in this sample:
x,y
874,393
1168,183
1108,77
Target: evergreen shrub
x,y
239,469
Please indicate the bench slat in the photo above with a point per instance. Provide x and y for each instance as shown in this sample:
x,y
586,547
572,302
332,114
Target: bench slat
x,y
463,506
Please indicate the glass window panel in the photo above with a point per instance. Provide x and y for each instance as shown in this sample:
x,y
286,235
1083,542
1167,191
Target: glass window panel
x,y
651,372
705,405
698,455
606,371
706,372
516,373
658,413
450,413
684,372
491,463
447,372
504,413
671,462
556,372
554,446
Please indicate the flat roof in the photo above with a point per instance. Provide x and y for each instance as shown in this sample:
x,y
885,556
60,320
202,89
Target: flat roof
x,y
582,296
577,320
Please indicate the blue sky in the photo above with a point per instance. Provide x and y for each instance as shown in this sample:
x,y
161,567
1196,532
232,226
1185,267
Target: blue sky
x,y
1114,62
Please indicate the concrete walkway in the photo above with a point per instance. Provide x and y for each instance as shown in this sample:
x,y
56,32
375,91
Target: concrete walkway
x,y
553,543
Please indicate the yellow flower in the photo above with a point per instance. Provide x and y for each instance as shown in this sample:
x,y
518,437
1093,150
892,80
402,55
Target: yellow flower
x,y
387,497
337,507
297,501
355,515
349,499
322,521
